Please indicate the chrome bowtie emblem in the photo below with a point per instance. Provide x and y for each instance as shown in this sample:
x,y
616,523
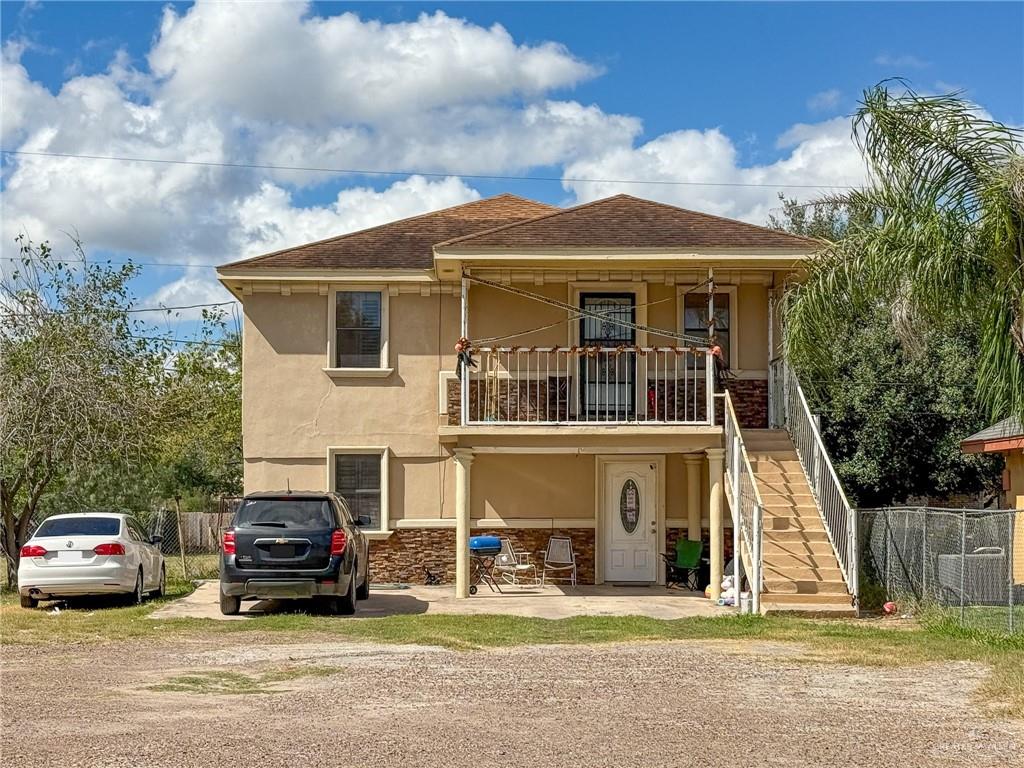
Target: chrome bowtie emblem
x,y
70,544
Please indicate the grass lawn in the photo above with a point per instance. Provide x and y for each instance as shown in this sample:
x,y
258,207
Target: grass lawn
x,y
934,638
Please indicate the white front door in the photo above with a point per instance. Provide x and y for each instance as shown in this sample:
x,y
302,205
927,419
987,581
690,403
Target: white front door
x,y
630,521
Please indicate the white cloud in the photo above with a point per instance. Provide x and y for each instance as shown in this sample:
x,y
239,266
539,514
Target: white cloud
x,y
275,84
196,286
824,101
268,221
280,62
819,154
901,61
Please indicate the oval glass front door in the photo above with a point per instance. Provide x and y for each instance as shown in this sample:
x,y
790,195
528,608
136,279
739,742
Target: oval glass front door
x,y
629,506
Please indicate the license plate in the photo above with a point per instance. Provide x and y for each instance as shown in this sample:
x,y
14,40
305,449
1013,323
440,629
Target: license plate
x,y
282,550
74,555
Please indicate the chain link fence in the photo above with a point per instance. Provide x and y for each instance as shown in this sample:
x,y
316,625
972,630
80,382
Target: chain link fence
x,y
189,540
969,563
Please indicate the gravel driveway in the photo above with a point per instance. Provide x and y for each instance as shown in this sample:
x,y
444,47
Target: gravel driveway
x,y
346,704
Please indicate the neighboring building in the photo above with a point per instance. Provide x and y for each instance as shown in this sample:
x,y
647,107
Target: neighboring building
x,y
1007,438
349,378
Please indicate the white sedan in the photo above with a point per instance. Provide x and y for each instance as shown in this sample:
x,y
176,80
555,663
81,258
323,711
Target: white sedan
x,y
90,554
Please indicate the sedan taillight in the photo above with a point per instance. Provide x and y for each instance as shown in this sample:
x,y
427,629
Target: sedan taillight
x,y
338,542
228,542
113,548
32,550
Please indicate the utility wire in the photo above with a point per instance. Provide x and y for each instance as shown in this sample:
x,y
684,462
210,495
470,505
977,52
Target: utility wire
x,y
366,172
694,340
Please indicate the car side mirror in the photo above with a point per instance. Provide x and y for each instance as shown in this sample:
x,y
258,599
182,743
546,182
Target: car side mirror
x,y
155,539
363,520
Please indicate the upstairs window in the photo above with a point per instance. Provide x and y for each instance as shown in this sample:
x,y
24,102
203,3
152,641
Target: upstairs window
x,y
695,319
358,329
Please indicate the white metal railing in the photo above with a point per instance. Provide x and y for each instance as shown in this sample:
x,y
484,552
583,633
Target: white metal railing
x,y
747,507
581,385
788,409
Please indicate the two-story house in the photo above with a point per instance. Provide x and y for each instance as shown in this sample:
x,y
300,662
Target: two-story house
x,y
595,406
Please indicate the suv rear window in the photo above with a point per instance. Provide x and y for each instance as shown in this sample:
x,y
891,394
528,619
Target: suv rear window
x,y
80,526
286,513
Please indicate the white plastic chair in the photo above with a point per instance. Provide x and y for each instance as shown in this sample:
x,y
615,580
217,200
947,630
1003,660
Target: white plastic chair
x,y
514,566
559,559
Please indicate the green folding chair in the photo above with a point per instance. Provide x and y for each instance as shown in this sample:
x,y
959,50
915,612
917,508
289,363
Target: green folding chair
x,y
683,566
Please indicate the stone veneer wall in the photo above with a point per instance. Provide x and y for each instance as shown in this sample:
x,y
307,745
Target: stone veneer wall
x,y
406,555
750,399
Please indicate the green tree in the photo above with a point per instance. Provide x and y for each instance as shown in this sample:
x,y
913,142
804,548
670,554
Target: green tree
x,y
78,379
938,238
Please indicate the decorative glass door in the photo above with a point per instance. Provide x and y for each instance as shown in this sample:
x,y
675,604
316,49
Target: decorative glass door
x,y
607,378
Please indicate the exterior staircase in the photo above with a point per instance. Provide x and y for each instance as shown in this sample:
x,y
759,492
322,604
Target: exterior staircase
x,y
801,573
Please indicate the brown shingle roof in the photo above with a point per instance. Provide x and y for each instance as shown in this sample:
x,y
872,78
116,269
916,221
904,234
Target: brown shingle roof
x,y
624,221
403,244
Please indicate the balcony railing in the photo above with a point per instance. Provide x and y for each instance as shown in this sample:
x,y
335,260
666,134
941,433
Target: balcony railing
x,y
589,385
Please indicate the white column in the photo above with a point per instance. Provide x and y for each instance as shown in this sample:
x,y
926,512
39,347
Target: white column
x,y
463,461
464,333
692,462
715,457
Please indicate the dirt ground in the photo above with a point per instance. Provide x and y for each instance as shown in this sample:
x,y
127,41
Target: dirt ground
x,y
317,702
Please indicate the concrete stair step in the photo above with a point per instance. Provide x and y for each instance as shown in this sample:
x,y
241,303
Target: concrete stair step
x,y
786,511
795,547
804,587
782,485
770,606
780,561
772,455
767,464
798,574
787,500
790,537
778,523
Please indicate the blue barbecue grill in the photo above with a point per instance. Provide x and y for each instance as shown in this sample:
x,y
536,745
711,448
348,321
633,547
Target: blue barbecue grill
x,y
482,551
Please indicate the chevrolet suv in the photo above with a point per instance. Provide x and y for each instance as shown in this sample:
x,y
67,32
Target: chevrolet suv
x,y
294,545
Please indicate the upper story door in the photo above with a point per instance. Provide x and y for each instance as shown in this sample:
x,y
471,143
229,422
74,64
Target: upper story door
x,y
607,383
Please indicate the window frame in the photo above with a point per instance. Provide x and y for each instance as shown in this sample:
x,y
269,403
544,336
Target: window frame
x,y
731,292
343,450
382,368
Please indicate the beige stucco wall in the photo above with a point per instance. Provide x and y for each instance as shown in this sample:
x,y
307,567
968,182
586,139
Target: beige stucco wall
x,y
293,411
533,486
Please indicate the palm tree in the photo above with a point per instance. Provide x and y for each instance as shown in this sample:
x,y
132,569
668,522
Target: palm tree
x,y
938,232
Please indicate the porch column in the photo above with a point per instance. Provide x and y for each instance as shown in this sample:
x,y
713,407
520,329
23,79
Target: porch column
x,y
463,461
692,462
715,457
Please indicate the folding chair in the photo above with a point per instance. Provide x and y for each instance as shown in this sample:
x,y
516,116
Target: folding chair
x,y
683,566
514,566
559,559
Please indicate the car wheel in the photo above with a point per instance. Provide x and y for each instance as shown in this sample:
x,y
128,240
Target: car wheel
x,y
28,602
138,594
161,588
363,590
346,605
230,605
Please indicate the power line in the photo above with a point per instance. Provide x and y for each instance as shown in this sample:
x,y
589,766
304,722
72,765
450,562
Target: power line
x,y
127,311
479,176
114,261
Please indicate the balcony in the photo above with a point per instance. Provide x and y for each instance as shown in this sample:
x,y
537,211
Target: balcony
x,y
587,385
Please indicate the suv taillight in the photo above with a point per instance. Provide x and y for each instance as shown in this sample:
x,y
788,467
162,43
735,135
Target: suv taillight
x,y
338,542
32,550
228,542
113,548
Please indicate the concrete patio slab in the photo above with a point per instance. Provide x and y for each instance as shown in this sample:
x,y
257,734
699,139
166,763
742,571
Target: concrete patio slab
x,y
548,602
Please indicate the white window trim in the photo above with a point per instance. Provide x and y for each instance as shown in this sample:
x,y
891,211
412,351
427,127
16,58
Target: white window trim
x,y
335,450
734,347
383,369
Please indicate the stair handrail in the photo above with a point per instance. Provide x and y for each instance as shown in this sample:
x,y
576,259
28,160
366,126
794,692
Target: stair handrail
x,y
792,412
745,498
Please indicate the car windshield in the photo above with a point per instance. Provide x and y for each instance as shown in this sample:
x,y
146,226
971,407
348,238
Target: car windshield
x,y
80,526
286,513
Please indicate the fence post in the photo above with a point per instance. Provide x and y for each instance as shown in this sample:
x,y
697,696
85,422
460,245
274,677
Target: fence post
x,y
924,557
1010,520
737,513
181,538
963,561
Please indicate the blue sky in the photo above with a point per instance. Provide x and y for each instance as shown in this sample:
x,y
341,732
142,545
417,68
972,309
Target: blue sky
x,y
740,92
